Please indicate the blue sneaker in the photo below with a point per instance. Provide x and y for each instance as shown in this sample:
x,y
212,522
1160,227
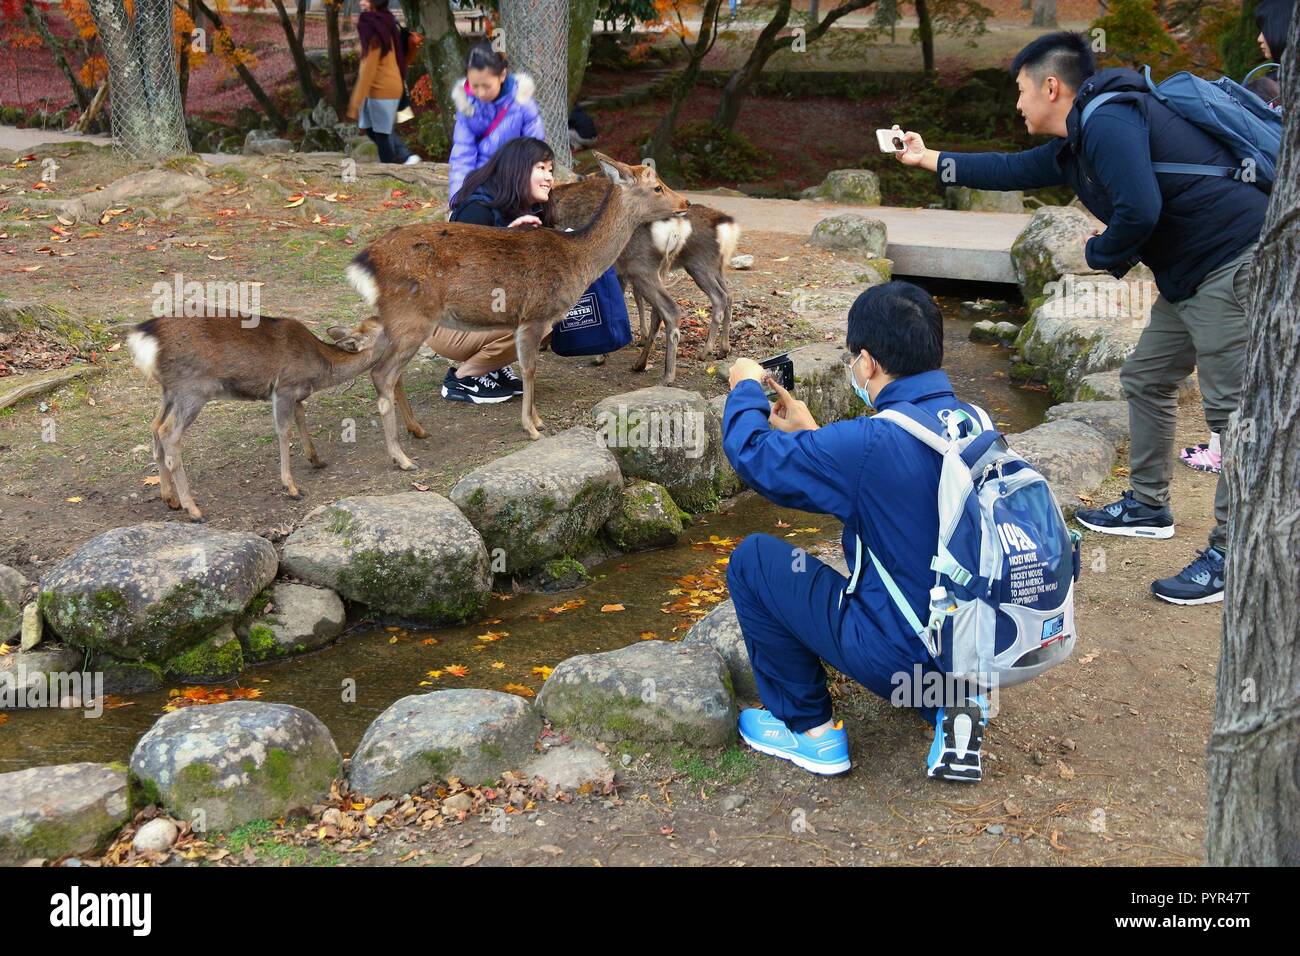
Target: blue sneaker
x,y
958,734
1130,517
827,754
1201,582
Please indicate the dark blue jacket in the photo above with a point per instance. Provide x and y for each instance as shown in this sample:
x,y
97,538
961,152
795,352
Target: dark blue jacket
x,y
1183,227
879,481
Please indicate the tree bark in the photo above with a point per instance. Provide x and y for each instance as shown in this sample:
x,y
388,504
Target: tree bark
x,y
309,92
1254,752
582,16
537,41
1044,13
148,121
36,17
334,43
268,105
768,43
662,138
925,29
443,52
301,15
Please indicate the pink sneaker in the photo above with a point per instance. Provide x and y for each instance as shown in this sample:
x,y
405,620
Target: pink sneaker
x,y
1204,457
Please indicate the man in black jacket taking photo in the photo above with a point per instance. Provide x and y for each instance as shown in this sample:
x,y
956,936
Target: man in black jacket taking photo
x,y
1197,233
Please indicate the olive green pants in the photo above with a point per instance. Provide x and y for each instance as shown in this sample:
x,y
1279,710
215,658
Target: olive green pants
x,y
1208,333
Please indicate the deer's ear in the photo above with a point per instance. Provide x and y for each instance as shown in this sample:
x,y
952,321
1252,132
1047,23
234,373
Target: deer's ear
x,y
614,169
336,332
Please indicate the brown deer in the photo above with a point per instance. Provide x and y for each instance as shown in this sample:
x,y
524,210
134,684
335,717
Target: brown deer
x,y
278,360
477,277
702,243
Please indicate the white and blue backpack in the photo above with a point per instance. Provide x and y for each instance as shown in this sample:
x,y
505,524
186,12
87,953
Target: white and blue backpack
x,y
1005,562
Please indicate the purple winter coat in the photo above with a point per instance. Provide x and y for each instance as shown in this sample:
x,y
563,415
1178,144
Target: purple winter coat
x,y
473,117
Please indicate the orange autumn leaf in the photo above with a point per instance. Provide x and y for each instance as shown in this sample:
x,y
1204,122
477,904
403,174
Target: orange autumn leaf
x,y
543,671
493,636
457,670
568,605
520,689
606,608
648,635
197,696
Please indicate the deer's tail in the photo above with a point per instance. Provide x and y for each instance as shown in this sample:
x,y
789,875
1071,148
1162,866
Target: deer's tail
x,y
361,275
143,344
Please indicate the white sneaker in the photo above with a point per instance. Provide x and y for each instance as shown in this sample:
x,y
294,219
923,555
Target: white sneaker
x,y
412,160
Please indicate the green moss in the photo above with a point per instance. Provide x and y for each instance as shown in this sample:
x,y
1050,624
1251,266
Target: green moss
x,y
565,569
491,751
277,768
400,584
207,661
339,521
141,793
441,760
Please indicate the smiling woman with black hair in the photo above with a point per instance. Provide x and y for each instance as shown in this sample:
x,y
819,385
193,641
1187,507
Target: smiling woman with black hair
x,y
513,190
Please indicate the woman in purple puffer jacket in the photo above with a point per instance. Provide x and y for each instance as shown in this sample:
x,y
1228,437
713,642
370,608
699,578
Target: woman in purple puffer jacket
x,y
493,106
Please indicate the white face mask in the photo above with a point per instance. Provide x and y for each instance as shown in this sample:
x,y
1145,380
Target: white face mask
x,y
859,390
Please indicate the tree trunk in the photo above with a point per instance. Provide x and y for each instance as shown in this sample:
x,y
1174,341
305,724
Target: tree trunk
x,y
443,51
813,13
925,29
739,82
582,16
333,40
1044,14
300,65
148,121
537,42
1254,751
768,42
661,139
36,17
268,105
301,15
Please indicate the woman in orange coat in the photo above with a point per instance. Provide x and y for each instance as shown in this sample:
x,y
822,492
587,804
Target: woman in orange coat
x,y
380,82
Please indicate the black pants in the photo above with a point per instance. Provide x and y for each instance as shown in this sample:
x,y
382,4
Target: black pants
x,y
391,149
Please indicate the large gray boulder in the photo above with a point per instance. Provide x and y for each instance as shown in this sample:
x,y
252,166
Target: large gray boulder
x,y
1071,455
720,630
667,436
1109,418
221,765
729,483
984,200
413,555
851,232
1051,246
546,501
847,186
292,619
71,809
646,517
653,690
12,585
1086,324
475,735
149,591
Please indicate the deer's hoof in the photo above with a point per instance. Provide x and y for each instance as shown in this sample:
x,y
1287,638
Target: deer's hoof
x,y
318,463
418,432
172,502
293,493
405,464
196,515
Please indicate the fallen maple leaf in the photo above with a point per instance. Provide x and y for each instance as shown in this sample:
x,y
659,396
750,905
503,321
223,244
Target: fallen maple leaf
x,y
297,199
606,608
544,671
520,689
457,670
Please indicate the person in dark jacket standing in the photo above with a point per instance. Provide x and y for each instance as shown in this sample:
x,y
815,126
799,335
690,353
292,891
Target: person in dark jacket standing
x,y
1196,233
380,82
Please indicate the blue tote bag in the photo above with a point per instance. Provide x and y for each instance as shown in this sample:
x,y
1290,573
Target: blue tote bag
x,y
597,324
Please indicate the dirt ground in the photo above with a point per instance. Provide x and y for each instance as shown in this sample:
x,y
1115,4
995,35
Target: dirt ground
x,y
1101,761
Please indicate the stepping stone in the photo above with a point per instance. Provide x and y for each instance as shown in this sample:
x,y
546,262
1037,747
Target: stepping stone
x,y
475,735
851,232
720,630
1109,418
1072,456
71,809
299,618
651,691
646,517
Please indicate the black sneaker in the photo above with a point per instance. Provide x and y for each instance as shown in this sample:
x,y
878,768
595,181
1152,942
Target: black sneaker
x,y
480,389
958,735
1128,516
1201,582
507,378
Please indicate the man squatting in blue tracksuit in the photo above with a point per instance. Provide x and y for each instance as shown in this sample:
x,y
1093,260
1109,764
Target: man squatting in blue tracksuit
x,y
795,611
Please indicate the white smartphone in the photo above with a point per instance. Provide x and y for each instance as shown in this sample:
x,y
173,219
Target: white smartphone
x,y
890,140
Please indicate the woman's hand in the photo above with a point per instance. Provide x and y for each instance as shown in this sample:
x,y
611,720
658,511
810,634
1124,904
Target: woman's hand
x,y
788,413
525,221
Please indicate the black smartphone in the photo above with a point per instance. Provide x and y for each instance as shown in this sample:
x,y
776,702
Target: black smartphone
x,y
781,368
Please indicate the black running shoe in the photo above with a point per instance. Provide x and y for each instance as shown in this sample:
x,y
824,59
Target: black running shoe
x,y
1201,582
507,378
955,753
1128,516
480,389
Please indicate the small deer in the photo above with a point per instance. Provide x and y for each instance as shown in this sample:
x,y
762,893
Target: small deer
x,y
278,360
477,277
702,243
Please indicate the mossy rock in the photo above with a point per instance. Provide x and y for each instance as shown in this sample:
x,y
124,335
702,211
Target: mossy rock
x,y
58,811
647,517
213,660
